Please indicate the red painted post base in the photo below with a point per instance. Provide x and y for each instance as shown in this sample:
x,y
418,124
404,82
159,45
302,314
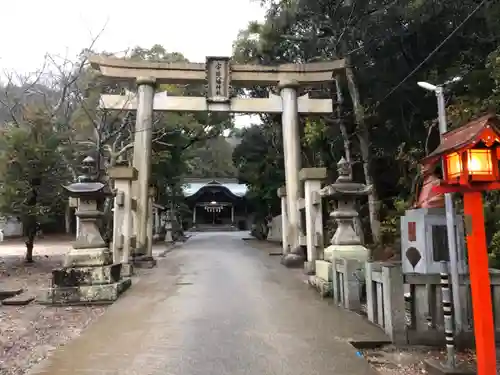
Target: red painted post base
x,y
484,330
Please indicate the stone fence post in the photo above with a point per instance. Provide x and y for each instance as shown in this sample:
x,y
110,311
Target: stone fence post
x,y
312,178
122,245
385,298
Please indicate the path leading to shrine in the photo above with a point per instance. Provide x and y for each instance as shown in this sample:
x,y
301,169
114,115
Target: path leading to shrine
x,y
217,306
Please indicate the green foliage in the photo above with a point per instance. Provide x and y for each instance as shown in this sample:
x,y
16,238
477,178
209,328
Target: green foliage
x,y
386,43
211,158
259,161
29,159
390,227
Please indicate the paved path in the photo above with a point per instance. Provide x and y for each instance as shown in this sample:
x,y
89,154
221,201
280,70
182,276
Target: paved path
x,y
217,306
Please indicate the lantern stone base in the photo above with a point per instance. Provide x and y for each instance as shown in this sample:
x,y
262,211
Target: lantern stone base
x,y
324,270
85,285
357,252
82,257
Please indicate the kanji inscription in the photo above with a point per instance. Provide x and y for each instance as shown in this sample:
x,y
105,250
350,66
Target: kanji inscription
x,y
218,79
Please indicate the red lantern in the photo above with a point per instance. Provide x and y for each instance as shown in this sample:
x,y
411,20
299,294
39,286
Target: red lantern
x,y
470,156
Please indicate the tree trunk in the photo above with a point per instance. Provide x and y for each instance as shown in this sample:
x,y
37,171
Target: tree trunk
x,y
358,227
343,128
347,147
365,148
30,227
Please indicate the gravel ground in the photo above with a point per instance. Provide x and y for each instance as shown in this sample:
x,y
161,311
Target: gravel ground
x,y
410,361
30,333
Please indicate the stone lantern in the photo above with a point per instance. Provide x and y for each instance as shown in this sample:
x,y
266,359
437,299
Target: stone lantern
x,y
346,243
88,274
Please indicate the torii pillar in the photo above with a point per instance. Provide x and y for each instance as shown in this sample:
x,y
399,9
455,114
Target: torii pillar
x,y
143,135
292,156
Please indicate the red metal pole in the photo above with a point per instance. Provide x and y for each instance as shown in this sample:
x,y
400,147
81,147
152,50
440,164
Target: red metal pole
x,y
482,307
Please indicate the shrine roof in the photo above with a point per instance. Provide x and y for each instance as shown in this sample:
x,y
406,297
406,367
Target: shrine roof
x,y
193,186
464,136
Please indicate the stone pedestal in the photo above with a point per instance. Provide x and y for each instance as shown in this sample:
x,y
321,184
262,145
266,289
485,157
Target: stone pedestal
x,y
122,249
89,274
312,178
322,280
358,252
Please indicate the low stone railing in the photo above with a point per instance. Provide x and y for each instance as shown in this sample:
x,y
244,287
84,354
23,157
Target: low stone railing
x,y
409,308
385,299
347,285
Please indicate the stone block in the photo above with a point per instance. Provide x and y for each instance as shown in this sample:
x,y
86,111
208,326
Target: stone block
x,y
357,252
8,292
323,287
309,268
88,257
85,294
324,270
127,270
293,260
68,277
312,174
434,367
19,299
144,262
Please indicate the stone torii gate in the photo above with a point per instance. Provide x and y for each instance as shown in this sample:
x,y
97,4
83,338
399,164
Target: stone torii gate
x,y
219,75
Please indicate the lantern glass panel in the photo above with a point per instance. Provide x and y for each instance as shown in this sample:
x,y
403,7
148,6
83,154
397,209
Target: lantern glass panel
x,y
454,165
479,162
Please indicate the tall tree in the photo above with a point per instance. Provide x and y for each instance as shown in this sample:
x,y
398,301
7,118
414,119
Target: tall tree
x,y
390,46
31,174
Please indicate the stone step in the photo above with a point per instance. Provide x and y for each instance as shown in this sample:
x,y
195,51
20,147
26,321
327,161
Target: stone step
x,y
214,228
9,291
19,299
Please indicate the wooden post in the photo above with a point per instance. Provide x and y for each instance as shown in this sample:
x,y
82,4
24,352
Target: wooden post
x,y
484,331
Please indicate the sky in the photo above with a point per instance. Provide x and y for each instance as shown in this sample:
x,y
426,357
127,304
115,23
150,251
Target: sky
x,y
195,28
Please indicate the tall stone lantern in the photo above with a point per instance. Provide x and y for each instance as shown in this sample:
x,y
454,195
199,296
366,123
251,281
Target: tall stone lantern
x,y
88,274
346,243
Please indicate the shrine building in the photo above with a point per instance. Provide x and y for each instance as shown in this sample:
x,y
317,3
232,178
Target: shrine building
x,y
216,204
